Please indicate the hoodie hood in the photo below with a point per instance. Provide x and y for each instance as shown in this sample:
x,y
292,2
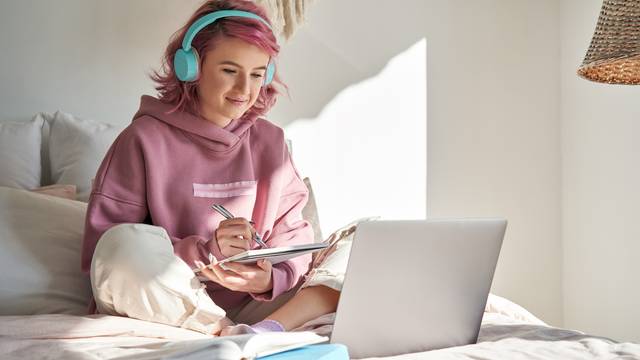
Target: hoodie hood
x,y
202,131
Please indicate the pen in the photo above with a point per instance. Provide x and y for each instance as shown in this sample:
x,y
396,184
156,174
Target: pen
x,y
227,214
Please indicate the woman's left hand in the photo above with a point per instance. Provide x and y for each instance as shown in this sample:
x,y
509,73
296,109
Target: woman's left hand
x,y
241,277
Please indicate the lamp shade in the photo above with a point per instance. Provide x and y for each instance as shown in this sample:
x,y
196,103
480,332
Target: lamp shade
x,y
614,54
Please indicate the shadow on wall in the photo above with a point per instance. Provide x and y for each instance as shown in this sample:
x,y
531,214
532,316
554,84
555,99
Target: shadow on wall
x,y
342,43
366,151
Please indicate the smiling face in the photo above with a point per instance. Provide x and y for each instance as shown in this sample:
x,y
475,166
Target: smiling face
x,y
230,79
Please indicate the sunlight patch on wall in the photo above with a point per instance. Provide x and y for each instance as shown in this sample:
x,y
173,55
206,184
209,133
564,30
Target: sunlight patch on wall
x,y
366,152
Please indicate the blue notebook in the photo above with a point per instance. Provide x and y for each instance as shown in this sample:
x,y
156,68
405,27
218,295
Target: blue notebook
x,y
319,352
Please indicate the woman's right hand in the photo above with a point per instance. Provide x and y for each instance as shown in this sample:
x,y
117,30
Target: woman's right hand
x,y
234,236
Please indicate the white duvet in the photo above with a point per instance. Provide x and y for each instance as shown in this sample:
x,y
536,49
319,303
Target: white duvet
x,y
508,332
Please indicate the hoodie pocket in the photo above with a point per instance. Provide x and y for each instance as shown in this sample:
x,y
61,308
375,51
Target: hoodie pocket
x,y
226,190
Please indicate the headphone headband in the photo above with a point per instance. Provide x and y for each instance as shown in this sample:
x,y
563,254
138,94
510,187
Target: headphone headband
x,y
185,61
210,18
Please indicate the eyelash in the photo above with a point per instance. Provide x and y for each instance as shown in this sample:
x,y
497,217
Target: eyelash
x,y
231,71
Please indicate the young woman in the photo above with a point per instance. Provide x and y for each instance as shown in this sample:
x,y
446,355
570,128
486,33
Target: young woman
x,y
202,141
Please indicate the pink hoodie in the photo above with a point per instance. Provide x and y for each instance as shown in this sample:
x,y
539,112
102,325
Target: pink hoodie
x,y
167,170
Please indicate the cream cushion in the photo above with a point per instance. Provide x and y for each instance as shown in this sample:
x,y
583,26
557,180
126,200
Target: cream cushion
x,y
40,242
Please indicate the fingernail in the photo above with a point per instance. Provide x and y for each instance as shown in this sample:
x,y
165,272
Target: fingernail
x,y
212,259
199,264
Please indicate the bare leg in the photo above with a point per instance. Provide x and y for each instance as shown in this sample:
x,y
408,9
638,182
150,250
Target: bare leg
x,y
308,304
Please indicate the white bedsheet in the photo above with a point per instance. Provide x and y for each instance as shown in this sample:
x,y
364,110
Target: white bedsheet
x,y
505,338
508,332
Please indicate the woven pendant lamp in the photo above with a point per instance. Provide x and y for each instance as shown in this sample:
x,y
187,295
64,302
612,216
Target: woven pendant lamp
x,y
614,54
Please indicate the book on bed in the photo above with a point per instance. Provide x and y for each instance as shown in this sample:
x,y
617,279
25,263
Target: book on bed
x,y
247,346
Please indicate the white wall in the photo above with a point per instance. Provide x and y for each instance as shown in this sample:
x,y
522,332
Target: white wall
x,y
493,114
493,135
601,201
493,96
89,58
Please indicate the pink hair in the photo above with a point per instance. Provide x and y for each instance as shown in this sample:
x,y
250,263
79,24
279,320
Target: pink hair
x,y
184,95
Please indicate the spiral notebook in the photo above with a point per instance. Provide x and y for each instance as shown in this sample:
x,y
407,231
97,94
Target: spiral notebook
x,y
275,255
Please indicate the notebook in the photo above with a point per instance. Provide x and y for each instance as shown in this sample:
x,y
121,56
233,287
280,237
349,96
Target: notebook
x,y
274,255
315,352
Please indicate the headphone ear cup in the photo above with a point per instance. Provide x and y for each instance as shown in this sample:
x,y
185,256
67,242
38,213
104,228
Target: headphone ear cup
x,y
268,76
186,64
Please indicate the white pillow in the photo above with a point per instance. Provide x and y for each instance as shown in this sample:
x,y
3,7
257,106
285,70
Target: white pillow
x,y
45,176
40,243
20,153
76,149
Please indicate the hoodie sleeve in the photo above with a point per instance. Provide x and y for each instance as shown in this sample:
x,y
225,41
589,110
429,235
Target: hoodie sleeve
x,y
289,229
195,247
117,195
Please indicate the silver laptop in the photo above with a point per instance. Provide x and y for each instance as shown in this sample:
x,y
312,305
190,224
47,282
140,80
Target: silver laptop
x,y
416,285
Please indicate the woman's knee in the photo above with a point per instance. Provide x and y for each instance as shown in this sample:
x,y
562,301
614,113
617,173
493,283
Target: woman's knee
x,y
137,250
133,237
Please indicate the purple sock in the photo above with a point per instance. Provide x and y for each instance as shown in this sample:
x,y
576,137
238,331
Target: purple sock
x,y
267,325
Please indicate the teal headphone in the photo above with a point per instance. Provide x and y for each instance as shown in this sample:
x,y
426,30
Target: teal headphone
x,y
185,62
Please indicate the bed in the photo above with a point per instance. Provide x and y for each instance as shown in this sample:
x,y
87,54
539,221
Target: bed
x,y
46,167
